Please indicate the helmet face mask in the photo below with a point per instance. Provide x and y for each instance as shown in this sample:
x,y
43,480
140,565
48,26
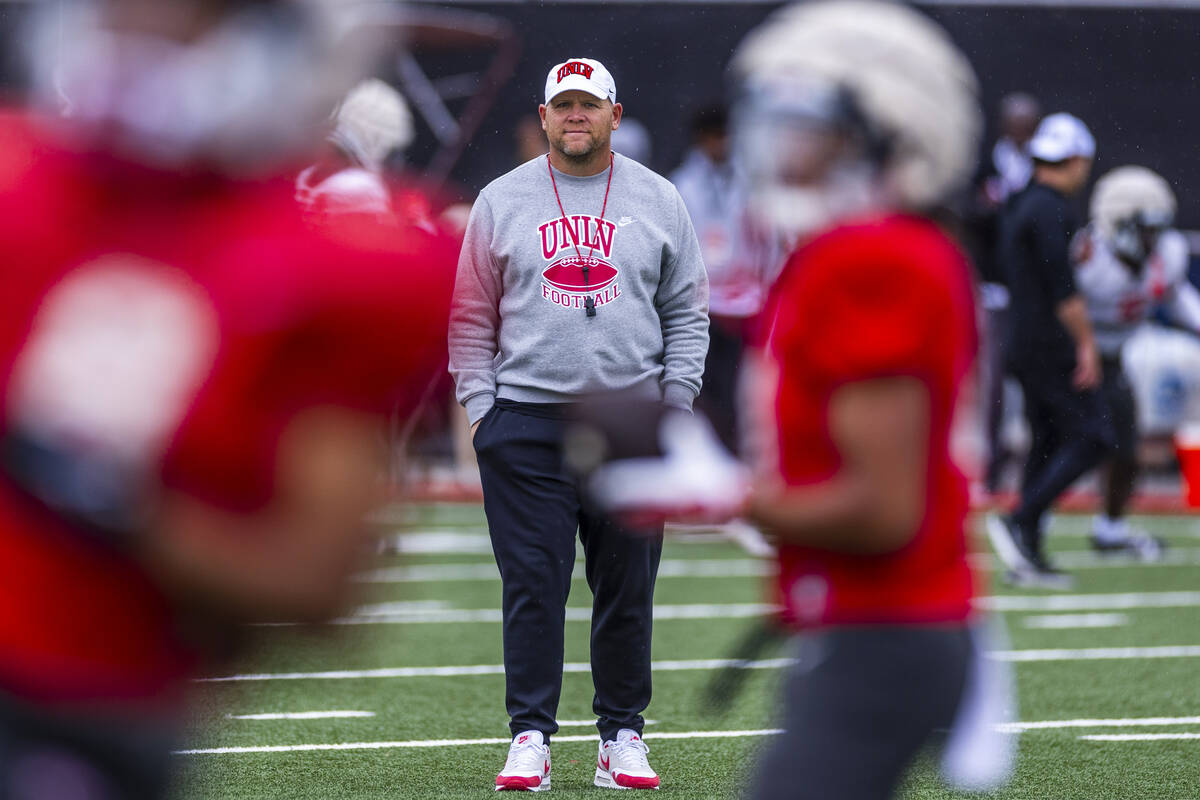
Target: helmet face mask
x,y
808,154
1134,238
1131,207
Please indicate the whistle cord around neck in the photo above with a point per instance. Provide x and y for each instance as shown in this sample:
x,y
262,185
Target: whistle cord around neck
x,y
589,303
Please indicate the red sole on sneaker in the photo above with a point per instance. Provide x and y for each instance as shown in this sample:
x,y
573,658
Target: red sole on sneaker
x,y
516,783
631,782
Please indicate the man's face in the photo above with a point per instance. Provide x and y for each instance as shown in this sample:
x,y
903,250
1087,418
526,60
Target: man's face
x,y
1079,168
578,124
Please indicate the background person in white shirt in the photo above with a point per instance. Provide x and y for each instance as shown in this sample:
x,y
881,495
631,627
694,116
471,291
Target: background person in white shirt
x,y
1129,263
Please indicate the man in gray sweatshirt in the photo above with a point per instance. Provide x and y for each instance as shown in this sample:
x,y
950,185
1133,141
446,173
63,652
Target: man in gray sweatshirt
x,y
580,273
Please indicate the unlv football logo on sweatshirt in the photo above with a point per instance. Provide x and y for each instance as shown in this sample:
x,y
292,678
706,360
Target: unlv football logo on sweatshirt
x,y
579,248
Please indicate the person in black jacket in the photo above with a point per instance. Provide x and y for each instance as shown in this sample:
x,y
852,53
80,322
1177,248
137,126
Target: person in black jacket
x,y
1007,171
1051,349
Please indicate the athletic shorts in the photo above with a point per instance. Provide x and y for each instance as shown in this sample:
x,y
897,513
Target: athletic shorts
x,y
858,707
55,755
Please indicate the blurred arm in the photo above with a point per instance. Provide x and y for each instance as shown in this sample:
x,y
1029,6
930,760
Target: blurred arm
x,y
290,560
876,501
475,316
1072,313
682,303
1052,242
1184,306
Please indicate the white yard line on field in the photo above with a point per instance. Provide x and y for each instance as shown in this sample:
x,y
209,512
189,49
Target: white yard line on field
x,y
1098,653
457,742
1074,621
1089,602
1139,737
436,612
1016,727
457,541
1089,559
409,613
482,669
475,539
669,568
304,715
743,567
1050,724
1019,656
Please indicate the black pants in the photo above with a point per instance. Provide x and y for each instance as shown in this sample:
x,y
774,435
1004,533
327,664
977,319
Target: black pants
x,y
534,509
74,756
1122,466
718,397
858,706
991,382
1071,432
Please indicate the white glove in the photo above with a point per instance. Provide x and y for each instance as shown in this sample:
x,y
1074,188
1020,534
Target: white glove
x,y
696,479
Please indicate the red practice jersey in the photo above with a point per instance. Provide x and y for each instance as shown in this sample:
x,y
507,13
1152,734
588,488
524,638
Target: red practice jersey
x,y
879,298
223,315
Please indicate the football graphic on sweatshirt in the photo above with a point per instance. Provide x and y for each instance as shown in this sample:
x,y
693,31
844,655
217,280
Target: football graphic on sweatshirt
x,y
579,248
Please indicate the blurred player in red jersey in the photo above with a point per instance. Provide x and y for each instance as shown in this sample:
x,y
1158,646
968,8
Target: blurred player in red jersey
x,y
193,380
855,120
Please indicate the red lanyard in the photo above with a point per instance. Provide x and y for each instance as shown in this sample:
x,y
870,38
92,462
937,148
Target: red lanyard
x,y
589,303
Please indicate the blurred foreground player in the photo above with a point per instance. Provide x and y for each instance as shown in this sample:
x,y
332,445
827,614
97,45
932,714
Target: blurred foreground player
x,y
855,118
193,380
1129,263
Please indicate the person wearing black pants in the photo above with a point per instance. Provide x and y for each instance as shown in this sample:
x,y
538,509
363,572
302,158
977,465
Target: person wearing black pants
x,y
533,508
1071,432
1051,349
580,274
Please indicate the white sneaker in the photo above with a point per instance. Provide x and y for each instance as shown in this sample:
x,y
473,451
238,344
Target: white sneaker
x,y
1009,544
528,766
1117,536
622,763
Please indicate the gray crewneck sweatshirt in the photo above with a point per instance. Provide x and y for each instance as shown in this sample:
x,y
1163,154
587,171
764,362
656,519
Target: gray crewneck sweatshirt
x,y
519,327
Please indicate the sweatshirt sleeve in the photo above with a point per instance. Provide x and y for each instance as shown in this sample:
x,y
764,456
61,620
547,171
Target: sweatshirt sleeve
x,y
475,315
682,304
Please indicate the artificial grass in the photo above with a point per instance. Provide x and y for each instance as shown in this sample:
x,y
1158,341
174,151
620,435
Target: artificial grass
x,y
1053,763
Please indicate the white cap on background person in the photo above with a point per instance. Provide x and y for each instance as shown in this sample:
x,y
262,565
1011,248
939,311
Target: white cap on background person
x,y
585,74
1062,136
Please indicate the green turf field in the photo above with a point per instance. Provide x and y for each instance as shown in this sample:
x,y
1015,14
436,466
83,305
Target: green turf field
x,y
428,609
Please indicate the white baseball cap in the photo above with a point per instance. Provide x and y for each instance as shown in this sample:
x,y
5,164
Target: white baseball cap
x,y
1061,136
585,74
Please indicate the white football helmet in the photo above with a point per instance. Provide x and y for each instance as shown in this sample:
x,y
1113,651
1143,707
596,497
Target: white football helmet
x,y
371,122
1130,207
850,104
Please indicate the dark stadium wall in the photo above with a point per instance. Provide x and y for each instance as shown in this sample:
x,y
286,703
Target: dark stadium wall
x,y
1128,72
